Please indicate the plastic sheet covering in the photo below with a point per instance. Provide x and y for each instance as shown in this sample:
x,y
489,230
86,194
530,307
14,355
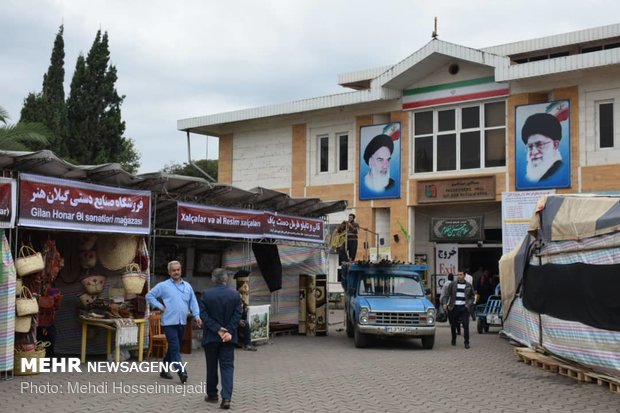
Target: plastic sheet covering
x,y
7,306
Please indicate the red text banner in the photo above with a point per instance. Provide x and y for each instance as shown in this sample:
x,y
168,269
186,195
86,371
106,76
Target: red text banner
x,y
7,202
46,202
193,219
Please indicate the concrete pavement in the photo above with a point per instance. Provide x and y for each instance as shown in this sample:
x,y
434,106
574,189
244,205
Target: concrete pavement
x,y
321,374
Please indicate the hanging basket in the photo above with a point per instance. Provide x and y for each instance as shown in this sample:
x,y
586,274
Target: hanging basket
x,y
133,279
26,304
93,284
28,261
115,252
18,287
88,259
23,324
37,354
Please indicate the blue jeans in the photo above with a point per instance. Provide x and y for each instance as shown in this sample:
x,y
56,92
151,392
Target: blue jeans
x,y
174,335
222,354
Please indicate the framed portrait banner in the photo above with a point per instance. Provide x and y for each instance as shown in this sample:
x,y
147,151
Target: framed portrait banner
x,y
258,319
206,262
380,157
543,146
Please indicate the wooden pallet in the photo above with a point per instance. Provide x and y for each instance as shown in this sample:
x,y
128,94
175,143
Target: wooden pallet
x,y
575,372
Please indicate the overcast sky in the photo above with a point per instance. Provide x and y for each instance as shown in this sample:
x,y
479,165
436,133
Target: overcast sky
x,y
182,59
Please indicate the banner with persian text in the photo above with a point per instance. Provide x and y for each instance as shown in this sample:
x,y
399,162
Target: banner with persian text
x,y
46,202
194,219
7,202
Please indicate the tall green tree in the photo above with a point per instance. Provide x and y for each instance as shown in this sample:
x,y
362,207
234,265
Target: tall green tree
x,y
22,136
187,169
48,107
95,126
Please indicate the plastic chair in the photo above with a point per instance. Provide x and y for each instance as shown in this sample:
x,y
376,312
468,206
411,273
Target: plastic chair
x,y
157,339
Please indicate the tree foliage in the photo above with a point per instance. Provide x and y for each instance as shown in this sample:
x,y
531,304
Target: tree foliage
x,y
48,107
187,169
22,136
96,129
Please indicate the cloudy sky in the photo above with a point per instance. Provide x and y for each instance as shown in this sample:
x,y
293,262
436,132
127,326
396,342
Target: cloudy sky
x,y
191,58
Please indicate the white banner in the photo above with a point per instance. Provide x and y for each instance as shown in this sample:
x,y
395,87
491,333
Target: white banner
x,y
517,210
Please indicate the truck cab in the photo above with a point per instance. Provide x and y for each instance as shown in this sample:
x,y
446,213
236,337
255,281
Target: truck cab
x,y
387,299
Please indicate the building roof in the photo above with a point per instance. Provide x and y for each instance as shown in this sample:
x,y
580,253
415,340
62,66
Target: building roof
x,y
549,55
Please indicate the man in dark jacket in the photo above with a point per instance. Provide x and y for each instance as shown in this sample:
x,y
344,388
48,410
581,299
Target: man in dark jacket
x,y
460,299
221,312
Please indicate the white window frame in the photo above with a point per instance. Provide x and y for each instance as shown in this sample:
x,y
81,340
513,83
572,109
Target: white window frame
x,y
458,131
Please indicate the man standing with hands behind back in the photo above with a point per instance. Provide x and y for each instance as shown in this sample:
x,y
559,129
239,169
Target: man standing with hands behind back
x,y
221,312
178,300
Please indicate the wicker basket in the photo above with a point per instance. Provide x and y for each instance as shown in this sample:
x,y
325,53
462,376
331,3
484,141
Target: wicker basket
x,y
87,299
28,261
37,354
133,279
18,287
23,324
93,284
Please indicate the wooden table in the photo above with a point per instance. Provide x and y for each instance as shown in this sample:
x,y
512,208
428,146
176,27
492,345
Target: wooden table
x,y
109,325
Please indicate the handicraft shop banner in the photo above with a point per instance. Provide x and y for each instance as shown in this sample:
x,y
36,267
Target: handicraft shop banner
x,y
7,202
46,202
193,219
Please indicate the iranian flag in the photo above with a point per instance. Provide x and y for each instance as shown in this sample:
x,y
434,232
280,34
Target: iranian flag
x,y
447,93
559,109
392,130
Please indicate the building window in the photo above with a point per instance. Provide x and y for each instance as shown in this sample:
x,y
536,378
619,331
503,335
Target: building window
x,y
606,125
323,154
343,152
459,138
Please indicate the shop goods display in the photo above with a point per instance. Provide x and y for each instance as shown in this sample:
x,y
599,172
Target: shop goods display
x,y
38,352
23,324
52,260
87,242
26,303
133,279
88,259
49,305
28,261
18,287
115,252
87,299
93,283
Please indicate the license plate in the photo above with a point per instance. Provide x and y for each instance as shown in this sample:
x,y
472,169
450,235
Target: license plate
x,y
399,329
492,319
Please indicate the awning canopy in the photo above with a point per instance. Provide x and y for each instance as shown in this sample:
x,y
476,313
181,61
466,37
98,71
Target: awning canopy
x,y
169,188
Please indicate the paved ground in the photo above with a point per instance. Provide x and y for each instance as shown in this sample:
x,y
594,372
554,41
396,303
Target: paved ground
x,y
322,374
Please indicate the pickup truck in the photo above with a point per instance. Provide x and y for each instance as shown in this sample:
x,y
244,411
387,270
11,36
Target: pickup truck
x,y
387,299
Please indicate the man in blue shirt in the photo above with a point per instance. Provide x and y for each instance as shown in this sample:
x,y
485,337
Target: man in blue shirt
x,y
178,301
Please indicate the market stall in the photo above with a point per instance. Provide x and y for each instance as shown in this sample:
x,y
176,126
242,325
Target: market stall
x,y
93,262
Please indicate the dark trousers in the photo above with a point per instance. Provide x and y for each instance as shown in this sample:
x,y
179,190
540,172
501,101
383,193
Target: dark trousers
x,y
222,354
352,248
174,335
460,315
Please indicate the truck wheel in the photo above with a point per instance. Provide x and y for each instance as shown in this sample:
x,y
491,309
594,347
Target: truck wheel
x,y
479,326
360,339
428,342
349,327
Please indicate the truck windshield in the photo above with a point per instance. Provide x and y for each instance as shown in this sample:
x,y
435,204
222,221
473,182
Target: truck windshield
x,y
389,285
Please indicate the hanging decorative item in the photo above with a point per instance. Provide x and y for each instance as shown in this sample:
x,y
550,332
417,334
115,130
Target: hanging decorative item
x,y
28,261
133,279
88,259
53,261
93,283
87,241
26,304
116,252
87,299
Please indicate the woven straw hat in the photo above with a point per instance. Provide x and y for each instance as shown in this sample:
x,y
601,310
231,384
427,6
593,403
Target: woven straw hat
x,y
115,252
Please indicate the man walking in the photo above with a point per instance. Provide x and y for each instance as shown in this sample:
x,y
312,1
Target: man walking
x,y
460,299
178,300
221,311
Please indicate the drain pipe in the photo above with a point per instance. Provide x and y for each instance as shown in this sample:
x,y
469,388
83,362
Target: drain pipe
x,y
189,160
